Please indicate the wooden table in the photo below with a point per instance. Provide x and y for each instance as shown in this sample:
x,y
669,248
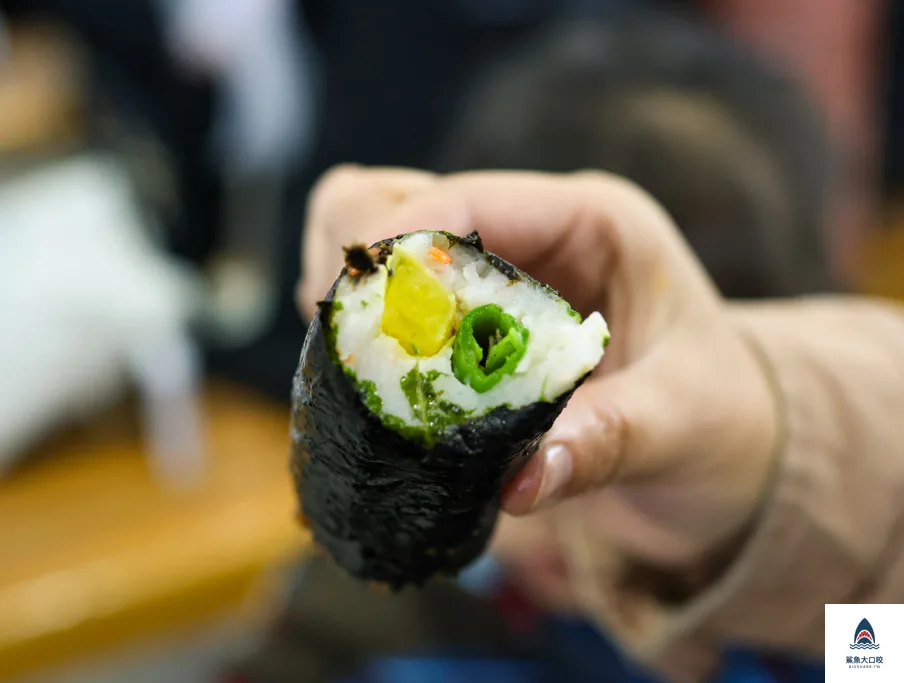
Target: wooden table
x,y
40,90
94,552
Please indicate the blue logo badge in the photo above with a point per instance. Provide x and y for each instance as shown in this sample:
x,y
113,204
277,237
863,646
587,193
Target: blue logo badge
x,y
864,637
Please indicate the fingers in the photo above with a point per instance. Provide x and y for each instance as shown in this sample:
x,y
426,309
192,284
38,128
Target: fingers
x,y
601,242
567,231
531,551
615,429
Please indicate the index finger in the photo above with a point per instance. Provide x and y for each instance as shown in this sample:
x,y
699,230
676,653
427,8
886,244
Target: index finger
x,y
544,224
341,206
568,231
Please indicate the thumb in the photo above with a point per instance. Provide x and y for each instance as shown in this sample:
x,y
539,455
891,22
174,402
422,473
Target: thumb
x,y
615,428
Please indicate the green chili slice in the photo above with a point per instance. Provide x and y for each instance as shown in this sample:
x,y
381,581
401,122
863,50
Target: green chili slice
x,y
488,346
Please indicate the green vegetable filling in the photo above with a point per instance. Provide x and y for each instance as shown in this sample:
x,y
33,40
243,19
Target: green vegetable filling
x,y
489,345
433,413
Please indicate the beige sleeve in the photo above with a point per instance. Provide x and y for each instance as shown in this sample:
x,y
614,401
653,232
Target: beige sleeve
x,y
832,530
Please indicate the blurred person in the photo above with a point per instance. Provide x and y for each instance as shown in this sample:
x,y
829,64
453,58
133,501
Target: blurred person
x,y
399,68
839,51
735,151
704,488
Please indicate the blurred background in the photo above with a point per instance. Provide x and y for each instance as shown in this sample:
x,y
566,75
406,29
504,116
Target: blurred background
x,y
155,160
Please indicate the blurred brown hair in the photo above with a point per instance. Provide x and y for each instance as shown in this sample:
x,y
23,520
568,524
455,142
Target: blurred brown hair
x,y
733,149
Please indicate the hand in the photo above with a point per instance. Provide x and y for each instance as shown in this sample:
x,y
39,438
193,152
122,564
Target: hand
x,y
667,450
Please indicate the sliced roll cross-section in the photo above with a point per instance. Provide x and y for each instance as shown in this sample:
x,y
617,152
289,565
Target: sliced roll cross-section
x,y
426,380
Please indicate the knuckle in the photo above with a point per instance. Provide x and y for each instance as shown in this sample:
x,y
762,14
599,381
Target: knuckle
x,y
333,183
591,175
614,188
611,443
339,175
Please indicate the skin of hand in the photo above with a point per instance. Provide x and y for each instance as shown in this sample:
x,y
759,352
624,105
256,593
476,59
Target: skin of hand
x,y
666,451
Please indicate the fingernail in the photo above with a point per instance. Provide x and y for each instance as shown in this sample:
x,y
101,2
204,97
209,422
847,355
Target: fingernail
x,y
519,498
558,466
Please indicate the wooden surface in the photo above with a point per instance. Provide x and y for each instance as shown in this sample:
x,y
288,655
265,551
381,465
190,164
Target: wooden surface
x,y
881,271
40,89
94,552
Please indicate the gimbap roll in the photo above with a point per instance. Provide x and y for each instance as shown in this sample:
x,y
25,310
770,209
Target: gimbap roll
x,y
426,380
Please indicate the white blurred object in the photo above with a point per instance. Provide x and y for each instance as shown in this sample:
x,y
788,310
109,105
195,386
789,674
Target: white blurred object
x,y
253,47
241,302
259,53
87,303
167,369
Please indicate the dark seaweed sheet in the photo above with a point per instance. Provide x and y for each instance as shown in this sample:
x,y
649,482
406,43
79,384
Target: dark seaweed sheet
x,y
387,509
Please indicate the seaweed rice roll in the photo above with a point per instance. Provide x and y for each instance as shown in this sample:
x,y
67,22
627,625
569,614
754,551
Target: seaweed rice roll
x,y
426,380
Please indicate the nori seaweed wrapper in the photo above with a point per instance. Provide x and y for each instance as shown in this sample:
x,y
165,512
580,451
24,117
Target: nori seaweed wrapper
x,y
386,508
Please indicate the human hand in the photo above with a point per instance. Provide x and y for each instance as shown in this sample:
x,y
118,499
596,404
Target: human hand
x,y
667,449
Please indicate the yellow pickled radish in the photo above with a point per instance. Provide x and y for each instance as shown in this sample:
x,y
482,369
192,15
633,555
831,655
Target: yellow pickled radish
x,y
418,311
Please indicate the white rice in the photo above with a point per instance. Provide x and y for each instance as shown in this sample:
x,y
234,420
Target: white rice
x,y
560,349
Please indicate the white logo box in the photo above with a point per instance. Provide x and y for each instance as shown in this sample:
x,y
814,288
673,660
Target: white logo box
x,y
864,643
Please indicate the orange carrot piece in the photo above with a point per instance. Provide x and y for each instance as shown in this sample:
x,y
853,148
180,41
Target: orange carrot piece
x,y
440,255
